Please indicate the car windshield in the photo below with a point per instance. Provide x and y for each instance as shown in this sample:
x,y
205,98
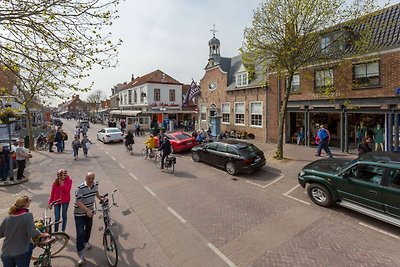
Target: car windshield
x,y
114,131
182,136
249,151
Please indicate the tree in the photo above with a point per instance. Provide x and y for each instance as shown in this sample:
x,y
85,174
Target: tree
x,y
95,98
285,36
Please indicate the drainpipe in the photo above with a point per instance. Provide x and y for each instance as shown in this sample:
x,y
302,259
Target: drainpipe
x,y
266,111
396,131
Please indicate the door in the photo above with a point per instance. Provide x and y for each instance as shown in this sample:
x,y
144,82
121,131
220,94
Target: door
x,y
210,151
391,193
361,184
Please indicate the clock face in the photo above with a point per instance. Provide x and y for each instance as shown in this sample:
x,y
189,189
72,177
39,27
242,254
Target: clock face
x,y
212,86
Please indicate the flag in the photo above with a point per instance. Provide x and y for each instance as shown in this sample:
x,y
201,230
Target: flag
x,y
193,91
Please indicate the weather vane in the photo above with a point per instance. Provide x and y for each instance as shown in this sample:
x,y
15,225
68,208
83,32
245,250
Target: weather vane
x,y
213,30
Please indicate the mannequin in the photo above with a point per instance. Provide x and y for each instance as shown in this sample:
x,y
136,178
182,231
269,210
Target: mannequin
x,y
379,137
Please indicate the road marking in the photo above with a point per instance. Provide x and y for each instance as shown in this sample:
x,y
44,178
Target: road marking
x,y
271,183
133,176
151,192
290,191
177,215
222,256
378,230
122,166
113,158
107,153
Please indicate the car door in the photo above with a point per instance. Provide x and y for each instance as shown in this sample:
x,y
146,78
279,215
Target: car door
x,y
209,152
391,193
361,183
100,134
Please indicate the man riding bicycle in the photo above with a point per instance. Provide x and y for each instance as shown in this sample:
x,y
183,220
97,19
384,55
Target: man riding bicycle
x,y
150,144
166,150
129,140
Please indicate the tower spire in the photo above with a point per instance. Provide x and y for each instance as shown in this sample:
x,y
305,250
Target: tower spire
x,y
213,30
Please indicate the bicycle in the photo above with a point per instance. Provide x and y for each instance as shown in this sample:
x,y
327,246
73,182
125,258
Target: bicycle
x,y
109,244
149,153
169,162
129,149
44,250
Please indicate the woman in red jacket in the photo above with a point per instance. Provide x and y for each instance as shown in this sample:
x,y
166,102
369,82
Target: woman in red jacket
x,y
61,195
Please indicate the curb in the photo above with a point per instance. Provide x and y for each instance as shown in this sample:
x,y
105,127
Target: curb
x,y
14,182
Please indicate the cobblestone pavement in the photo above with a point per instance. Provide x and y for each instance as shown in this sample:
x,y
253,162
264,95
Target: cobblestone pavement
x,y
201,216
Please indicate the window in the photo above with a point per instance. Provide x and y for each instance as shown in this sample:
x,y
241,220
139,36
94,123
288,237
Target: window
x,y
172,95
367,173
142,95
130,96
325,44
394,178
241,79
135,96
366,74
225,109
323,79
239,113
256,114
156,94
203,112
295,83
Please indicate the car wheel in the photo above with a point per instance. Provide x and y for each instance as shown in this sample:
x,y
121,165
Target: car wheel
x,y
320,195
230,168
196,157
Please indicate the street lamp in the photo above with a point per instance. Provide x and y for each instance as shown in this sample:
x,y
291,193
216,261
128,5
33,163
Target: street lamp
x,y
10,120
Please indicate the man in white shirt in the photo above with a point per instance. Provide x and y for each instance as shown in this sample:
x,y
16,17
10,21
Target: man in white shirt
x,y
22,155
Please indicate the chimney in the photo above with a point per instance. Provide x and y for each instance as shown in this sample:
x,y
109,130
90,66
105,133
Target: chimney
x,y
133,77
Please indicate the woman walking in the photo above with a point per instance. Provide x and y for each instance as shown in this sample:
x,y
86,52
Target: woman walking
x,y
61,193
18,229
76,144
85,144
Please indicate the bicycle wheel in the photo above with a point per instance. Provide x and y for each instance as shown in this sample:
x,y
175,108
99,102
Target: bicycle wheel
x,y
170,167
60,243
110,248
144,153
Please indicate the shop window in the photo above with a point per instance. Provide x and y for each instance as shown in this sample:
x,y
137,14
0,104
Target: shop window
x,y
366,74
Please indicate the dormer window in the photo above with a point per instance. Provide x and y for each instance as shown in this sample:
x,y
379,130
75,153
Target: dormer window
x,y
242,79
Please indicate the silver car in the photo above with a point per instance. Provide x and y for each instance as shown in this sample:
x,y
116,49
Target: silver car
x,y
112,134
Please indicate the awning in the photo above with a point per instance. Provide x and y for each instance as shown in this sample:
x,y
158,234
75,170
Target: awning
x,y
125,112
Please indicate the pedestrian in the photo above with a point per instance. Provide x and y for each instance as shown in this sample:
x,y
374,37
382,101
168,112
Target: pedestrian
x,y
18,229
364,147
58,139
22,155
76,144
379,138
77,131
324,137
61,195
122,124
300,136
85,144
84,130
4,163
83,213
166,150
51,138
161,136
137,128
65,138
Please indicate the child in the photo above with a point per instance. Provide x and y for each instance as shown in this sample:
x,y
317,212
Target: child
x,y
85,144
76,144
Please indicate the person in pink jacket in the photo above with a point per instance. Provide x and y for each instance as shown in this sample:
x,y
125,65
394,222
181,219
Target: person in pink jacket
x,y
60,194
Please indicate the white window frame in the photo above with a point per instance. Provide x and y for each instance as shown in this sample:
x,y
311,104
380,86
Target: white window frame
x,y
226,112
242,79
256,113
203,112
242,117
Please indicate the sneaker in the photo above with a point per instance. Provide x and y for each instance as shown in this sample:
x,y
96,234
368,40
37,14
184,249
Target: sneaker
x,y
81,260
88,245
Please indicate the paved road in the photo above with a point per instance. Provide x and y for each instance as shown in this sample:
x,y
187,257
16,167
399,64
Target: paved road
x,y
200,216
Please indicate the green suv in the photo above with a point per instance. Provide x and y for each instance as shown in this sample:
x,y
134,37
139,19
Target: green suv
x,y
369,184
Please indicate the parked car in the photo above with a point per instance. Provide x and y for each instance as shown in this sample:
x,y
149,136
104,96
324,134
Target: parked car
x,y
369,184
180,141
233,155
107,135
84,122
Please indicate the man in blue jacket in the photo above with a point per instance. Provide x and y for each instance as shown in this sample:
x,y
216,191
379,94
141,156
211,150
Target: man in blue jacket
x,y
324,137
166,150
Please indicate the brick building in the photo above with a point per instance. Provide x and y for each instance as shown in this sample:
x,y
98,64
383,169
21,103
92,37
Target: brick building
x,y
229,92
366,88
74,107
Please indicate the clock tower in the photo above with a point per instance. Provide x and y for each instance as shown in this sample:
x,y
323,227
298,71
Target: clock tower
x,y
214,55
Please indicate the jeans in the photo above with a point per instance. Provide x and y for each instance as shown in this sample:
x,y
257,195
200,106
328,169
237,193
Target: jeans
x,y
63,208
83,226
324,144
4,171
59,146
21,168
22,260
76,151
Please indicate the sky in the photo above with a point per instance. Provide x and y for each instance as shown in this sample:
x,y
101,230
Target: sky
x,y
173,35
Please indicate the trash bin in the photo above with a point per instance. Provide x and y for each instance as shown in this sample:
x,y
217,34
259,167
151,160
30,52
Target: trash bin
x,y
26,141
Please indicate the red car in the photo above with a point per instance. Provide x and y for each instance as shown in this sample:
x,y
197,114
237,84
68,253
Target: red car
x,y
180,141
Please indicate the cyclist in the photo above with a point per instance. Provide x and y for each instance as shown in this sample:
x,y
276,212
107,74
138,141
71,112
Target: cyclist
x,y
166,150
150,143
129,140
